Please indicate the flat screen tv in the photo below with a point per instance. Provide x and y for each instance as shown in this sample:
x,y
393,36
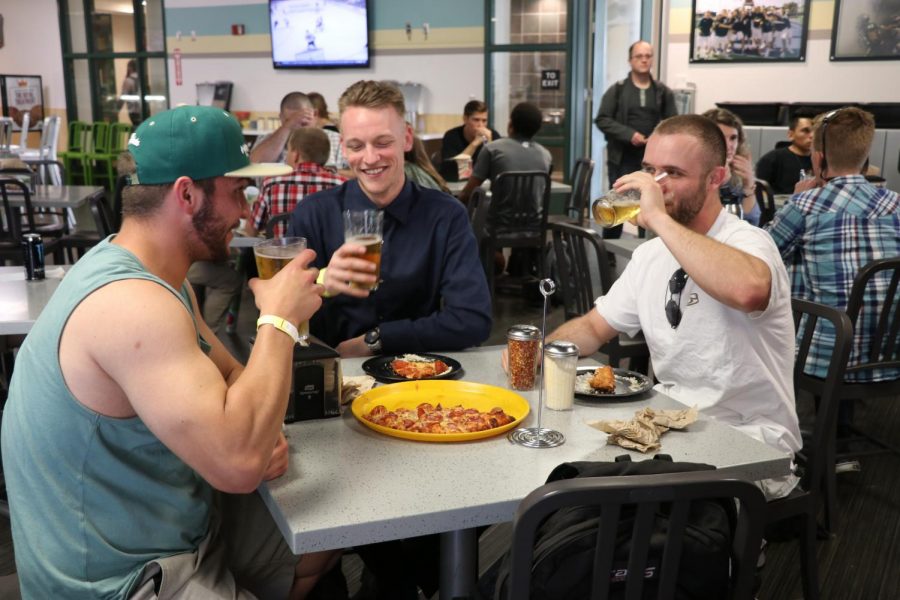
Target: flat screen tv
x,y
319,34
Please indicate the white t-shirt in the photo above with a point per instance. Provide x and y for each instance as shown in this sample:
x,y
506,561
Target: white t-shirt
x,y
734,366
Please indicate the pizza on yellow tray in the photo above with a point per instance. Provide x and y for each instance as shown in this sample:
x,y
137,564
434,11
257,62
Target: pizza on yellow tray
x,y
427,418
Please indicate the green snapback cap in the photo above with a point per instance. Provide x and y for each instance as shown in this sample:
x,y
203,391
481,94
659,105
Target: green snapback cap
x,y
193,141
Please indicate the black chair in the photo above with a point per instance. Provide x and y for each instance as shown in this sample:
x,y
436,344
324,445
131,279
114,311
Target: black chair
x,y
646,493
874,308
578,199
76,244
283,218
15,220
765,197
579,253
817,456
122,182
517,217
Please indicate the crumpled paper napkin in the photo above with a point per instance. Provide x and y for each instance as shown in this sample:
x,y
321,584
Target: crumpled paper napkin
x,y
352,387
642,433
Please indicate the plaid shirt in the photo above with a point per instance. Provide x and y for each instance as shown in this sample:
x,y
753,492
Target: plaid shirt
x,y
281,194
826,235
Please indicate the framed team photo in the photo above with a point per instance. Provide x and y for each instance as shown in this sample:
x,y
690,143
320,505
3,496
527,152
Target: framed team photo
x,y
749,30
866,30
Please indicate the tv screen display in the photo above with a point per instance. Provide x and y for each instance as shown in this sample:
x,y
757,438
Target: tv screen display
x,y
316,34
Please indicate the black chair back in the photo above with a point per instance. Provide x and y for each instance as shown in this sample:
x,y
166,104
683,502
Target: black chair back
x,y
520,201
14,220
874,309
121,184
646,493
765,197
815,454
582,266
581,189
273,221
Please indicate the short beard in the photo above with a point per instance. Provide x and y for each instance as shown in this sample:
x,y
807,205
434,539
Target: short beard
x,y
684,211
210,232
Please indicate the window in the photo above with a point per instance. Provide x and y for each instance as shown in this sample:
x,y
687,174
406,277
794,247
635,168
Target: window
x,y
114,59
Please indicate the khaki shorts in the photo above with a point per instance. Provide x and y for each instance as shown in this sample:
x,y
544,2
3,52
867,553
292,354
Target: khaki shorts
x,y
244,556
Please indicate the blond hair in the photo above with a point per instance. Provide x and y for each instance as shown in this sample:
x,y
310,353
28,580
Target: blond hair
x,y
847,138
373,94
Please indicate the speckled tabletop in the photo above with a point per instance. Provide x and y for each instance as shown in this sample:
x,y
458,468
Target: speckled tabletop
x,y
348,485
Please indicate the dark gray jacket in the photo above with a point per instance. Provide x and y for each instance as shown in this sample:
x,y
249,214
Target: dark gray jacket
x,y
612,117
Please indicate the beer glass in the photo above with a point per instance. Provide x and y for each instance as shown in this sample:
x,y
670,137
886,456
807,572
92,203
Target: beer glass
x,y
614,208
364,227
272,255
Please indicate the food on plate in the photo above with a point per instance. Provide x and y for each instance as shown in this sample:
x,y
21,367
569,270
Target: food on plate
x,y
413,366
604,380
428,418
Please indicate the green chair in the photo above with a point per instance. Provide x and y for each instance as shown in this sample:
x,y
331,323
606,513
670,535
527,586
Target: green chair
x,y
72,159
104,163
98,145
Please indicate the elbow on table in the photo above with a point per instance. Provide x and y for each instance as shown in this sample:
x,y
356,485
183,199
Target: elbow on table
x,y
240,476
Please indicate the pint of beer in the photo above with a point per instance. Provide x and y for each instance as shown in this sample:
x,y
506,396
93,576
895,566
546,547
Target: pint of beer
x,y
272,255
614,209
617,207
364,227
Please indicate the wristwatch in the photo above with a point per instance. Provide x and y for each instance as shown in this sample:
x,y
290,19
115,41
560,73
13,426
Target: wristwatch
x,y
373,340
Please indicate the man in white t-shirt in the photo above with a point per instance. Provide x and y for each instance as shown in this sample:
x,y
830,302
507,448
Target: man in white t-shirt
x,y
710,294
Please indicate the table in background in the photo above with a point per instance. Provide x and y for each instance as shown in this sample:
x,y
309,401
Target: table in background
x,y
75,198
22,301
348,485
623,246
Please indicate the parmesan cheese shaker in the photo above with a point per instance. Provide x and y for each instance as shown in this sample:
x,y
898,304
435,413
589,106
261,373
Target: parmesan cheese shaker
x,y
560,364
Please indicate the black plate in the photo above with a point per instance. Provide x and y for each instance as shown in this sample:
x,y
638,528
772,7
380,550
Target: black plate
x,y
380,368
628,383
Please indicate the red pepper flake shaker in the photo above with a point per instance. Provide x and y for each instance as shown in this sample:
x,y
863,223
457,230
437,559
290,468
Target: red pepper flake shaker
x,y
523,344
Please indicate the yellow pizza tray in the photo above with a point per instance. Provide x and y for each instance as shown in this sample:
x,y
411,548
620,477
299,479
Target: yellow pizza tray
x,y
447,393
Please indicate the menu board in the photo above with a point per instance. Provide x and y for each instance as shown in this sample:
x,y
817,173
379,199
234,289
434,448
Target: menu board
x,y
20,94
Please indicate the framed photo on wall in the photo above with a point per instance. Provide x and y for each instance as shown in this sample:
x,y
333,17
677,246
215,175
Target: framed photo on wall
x,y
20,94
866,30
749,30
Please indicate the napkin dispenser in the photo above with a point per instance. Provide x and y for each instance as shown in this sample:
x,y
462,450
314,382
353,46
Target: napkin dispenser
x,y
316,384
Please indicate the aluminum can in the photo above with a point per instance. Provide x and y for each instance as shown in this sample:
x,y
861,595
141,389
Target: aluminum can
x,y
33,249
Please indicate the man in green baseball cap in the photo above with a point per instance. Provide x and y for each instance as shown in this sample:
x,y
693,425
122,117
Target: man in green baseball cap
x,y
131,436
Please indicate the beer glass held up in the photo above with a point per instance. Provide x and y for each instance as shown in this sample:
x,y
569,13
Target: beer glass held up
x,y
364,227
614,208
272,255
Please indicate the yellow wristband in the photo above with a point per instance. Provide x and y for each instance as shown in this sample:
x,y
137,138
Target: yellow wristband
x,y
321,281
281,325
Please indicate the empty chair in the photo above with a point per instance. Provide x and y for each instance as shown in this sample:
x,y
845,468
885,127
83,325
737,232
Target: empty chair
x,y
817,456
50,171
873,370
584,274
643,498
102,161
15,220
26,125
578,199
79,143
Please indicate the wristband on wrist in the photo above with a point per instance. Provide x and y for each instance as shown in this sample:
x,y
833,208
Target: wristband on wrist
x,y
320,280
280,324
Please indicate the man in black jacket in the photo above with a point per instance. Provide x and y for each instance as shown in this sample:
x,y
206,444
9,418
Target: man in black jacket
x,y
629,111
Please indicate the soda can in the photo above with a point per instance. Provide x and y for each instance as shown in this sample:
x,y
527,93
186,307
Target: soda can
x,y
33,247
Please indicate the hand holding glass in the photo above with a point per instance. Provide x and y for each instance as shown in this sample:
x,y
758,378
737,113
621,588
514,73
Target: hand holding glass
x,y
614,208
364,227
272,255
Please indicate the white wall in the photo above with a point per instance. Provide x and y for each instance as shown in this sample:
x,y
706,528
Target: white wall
x,y
450,79
32,46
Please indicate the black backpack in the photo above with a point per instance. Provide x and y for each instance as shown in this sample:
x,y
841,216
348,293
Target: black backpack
x,y
564,543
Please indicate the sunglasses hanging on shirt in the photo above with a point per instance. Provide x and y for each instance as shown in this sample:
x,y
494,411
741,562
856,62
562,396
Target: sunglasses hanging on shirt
x,y
673,308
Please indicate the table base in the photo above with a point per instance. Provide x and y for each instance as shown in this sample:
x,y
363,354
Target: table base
x,y
535,437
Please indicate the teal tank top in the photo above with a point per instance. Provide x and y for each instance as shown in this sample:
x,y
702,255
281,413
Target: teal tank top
x,y
92,498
